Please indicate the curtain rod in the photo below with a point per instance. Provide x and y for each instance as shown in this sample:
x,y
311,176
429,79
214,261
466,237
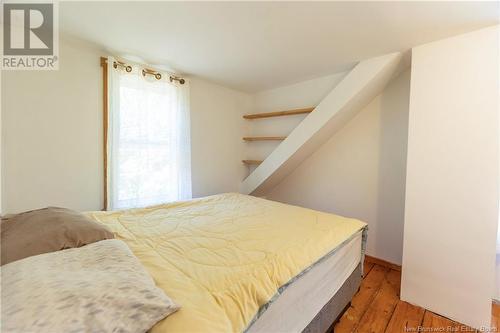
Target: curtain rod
x,y
145,71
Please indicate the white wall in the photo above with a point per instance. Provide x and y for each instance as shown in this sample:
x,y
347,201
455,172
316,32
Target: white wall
x,y
360,171
217,126
52,134
453,177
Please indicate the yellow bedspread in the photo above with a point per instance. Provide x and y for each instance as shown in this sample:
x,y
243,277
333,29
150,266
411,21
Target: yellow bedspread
x,y
223,257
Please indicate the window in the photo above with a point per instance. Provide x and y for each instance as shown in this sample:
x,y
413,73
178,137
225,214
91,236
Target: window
x,y
148,146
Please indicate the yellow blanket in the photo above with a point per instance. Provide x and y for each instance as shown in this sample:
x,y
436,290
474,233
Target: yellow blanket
x,y
223,257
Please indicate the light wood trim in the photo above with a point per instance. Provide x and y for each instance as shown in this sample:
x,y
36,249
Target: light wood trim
x,y
252,162
104,65
278,113
383,263
264,138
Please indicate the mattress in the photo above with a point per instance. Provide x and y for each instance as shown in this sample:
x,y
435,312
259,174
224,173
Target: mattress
x,y
227,258
299,303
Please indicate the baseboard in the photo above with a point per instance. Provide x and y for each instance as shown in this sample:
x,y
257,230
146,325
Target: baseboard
x,y
383,263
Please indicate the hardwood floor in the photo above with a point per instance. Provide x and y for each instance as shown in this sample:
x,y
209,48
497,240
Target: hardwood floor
x,y
376,308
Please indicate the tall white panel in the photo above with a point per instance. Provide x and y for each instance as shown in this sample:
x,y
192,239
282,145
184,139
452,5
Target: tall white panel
x,y
452,188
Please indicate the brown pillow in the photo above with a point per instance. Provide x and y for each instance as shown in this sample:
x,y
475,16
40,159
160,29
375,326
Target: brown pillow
x,y
47,230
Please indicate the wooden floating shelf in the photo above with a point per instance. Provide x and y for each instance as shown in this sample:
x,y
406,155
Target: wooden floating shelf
x,y
264,138
252,162
278,113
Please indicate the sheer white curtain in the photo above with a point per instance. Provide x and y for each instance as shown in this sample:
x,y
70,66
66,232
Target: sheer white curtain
x,y
149,155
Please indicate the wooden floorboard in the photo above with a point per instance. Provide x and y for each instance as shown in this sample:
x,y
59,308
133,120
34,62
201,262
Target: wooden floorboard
x,y
433,320
406,318
380,311
362,300
367,267
376,308
495,317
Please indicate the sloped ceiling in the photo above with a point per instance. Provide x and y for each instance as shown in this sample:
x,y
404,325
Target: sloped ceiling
x,y
252,46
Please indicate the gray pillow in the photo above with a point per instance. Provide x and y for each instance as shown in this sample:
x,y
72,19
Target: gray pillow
x,y
47,230
101,287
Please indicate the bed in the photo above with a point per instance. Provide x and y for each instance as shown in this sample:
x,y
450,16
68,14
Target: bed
x,y
237,263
